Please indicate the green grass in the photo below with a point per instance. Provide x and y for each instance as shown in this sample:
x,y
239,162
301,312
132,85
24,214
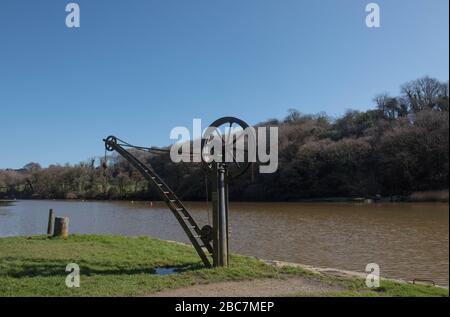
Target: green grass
x,y
125,266
355,287
110,266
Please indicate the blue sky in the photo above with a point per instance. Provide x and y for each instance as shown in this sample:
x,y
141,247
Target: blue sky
x,y
138,68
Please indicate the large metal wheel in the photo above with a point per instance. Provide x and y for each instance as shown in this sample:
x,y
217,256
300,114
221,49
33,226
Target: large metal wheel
x,y
237,143
110,140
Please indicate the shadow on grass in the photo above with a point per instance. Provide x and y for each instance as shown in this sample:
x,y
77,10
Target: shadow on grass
x,y
45,268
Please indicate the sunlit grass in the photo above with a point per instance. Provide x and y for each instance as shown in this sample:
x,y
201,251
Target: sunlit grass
x,y
125,266
111,265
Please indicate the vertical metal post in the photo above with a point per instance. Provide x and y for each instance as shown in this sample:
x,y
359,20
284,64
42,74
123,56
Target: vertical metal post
x,y
222,216
51,222
227,217
215,225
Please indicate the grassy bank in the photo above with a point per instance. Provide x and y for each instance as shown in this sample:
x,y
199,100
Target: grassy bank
x,y
5,202
121,266
425,196
430,196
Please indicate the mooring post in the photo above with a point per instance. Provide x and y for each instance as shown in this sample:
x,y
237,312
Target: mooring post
x,y
51,222
61,227
222,216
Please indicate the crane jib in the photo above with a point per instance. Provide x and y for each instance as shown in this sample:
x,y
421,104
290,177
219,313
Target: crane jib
x,y
198,237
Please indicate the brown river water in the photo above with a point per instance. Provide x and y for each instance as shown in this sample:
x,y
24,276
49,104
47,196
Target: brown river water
x,y
407,240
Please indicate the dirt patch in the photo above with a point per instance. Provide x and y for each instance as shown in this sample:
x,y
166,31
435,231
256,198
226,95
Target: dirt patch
x,y
253,288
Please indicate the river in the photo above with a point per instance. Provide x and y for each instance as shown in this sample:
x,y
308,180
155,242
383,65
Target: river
x,y
407,240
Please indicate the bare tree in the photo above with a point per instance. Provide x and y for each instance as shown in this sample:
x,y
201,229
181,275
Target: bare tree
x,y
425,93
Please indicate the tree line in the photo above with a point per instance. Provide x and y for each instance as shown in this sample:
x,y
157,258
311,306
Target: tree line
x,y
397,148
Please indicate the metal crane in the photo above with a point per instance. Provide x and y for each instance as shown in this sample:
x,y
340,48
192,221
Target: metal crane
x,y
207,239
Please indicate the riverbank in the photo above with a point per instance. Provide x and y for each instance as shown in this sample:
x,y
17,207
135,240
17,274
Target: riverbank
x,y
6,202
422,196
139,266
430,196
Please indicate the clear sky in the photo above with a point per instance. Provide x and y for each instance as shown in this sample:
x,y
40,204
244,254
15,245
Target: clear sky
x,y
138,68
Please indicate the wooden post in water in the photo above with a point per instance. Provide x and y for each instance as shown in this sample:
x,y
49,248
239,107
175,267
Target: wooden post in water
x,y
61,227
51,222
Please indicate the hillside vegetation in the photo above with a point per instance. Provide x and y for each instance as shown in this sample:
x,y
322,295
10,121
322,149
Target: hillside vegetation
x,y
398,148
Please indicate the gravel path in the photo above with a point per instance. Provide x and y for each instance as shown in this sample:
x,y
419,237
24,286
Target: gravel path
x,y
254,288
